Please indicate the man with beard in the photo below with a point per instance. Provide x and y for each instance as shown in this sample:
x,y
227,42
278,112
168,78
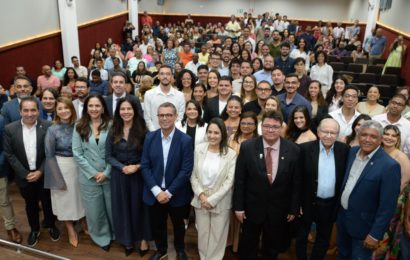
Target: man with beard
x,y
161,94
393,117
226,59
263,91
274,48
81,91
278,79
284,62
265,74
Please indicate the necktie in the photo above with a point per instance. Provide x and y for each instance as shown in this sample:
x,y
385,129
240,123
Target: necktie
x,y
49,117
268,161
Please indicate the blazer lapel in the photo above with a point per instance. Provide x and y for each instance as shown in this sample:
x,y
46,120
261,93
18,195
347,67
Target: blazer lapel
x,y
20,141
201,159
172,148
282,158
260,154
369,166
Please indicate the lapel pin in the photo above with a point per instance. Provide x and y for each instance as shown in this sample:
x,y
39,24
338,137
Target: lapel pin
x,y
260,156
371,163
282,158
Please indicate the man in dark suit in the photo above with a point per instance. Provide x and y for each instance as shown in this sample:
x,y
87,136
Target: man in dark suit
x,y
166,164
216,105
24,149
266,190
22,88
369,195
324,164
118,85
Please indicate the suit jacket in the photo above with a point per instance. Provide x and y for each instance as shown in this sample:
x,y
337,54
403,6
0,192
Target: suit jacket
x,y
11,110
373,199
16,154
309,160
253,193
177,171
220,195
90,157
200,132
109,100
211,109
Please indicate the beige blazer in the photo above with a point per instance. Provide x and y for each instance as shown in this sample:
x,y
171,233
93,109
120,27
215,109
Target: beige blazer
x,y
220,196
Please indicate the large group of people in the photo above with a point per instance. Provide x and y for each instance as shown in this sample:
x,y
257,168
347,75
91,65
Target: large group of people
x,y
244,122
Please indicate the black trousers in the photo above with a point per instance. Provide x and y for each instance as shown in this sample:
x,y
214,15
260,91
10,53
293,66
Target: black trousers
x,y
34,193
323,216
159,215
275,239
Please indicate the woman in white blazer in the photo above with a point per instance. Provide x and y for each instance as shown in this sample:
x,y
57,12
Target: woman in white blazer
x,y
212,181
192,123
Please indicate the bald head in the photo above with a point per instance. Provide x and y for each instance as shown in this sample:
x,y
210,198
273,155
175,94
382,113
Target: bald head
x,y
46,70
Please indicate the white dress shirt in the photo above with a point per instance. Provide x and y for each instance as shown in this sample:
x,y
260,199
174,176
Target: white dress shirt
x,y
30,144
115,100
154,98
324,74
345,126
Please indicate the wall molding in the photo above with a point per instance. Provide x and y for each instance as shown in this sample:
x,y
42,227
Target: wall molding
x,y
392,29
43,36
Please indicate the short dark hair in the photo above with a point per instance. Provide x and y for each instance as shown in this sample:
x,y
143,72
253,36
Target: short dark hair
x,y
202,67
272,115
285,44
292,75
320,52
299,59
74,57
22,78
29,99
352,87
227,78
119,73
82,79
96,73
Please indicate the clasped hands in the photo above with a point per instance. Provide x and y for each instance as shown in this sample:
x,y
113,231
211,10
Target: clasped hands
x,y
100,177
33,176
130,169
204,201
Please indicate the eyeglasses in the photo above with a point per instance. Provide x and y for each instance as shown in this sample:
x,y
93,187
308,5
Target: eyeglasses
x,y
264,89
328,133
350,96
247,124
165,115
272,127
397,103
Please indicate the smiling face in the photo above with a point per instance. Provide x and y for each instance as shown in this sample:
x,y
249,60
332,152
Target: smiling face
x,y
271,105
214,135
224,88
212,80
314,89
299,120
199,94
166,118
63,112
390,138
369,140
248,84
29,112
191,112
126,112
48,101
247,125
95,108
373,94
339,86
233,109
350,98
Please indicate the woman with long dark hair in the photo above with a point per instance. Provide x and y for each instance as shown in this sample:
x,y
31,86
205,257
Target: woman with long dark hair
x,y
185,83
334,95
123,152
69,78
397,51
89,140
353,138
319,107
298,130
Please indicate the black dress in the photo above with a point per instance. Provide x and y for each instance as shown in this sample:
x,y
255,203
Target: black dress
x,y
130,214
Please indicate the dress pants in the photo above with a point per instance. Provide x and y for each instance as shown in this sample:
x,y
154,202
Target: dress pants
x,y
212,233
349,248
159,215
322,215
272,234
6,208
98,212
33,193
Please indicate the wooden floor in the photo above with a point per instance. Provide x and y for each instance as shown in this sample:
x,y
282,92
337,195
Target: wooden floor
x,y
87,249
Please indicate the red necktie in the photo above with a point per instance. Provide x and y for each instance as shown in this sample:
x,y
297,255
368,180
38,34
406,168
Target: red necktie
x,y
268,161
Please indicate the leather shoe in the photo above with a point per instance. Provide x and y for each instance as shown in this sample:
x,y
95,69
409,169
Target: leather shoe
x,y
181,255
14,235
159,256
54,234
32,239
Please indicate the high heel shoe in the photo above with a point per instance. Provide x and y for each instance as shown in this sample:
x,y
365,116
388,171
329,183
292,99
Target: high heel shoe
x,y
73,240
128,250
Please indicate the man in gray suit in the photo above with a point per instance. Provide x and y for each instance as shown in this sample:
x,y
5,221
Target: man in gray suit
x,y
24,149
82,89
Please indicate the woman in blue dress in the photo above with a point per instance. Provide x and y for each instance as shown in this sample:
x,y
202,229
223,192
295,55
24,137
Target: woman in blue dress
x,y
123,152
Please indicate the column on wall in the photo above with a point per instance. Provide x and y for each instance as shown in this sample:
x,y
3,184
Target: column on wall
x,y
69,30
133,15
372,16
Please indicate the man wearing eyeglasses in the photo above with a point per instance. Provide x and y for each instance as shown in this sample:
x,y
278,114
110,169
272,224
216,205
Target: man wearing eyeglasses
x,y
393,117
346,115
266,190
263,91
161,94
324,165
166,165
